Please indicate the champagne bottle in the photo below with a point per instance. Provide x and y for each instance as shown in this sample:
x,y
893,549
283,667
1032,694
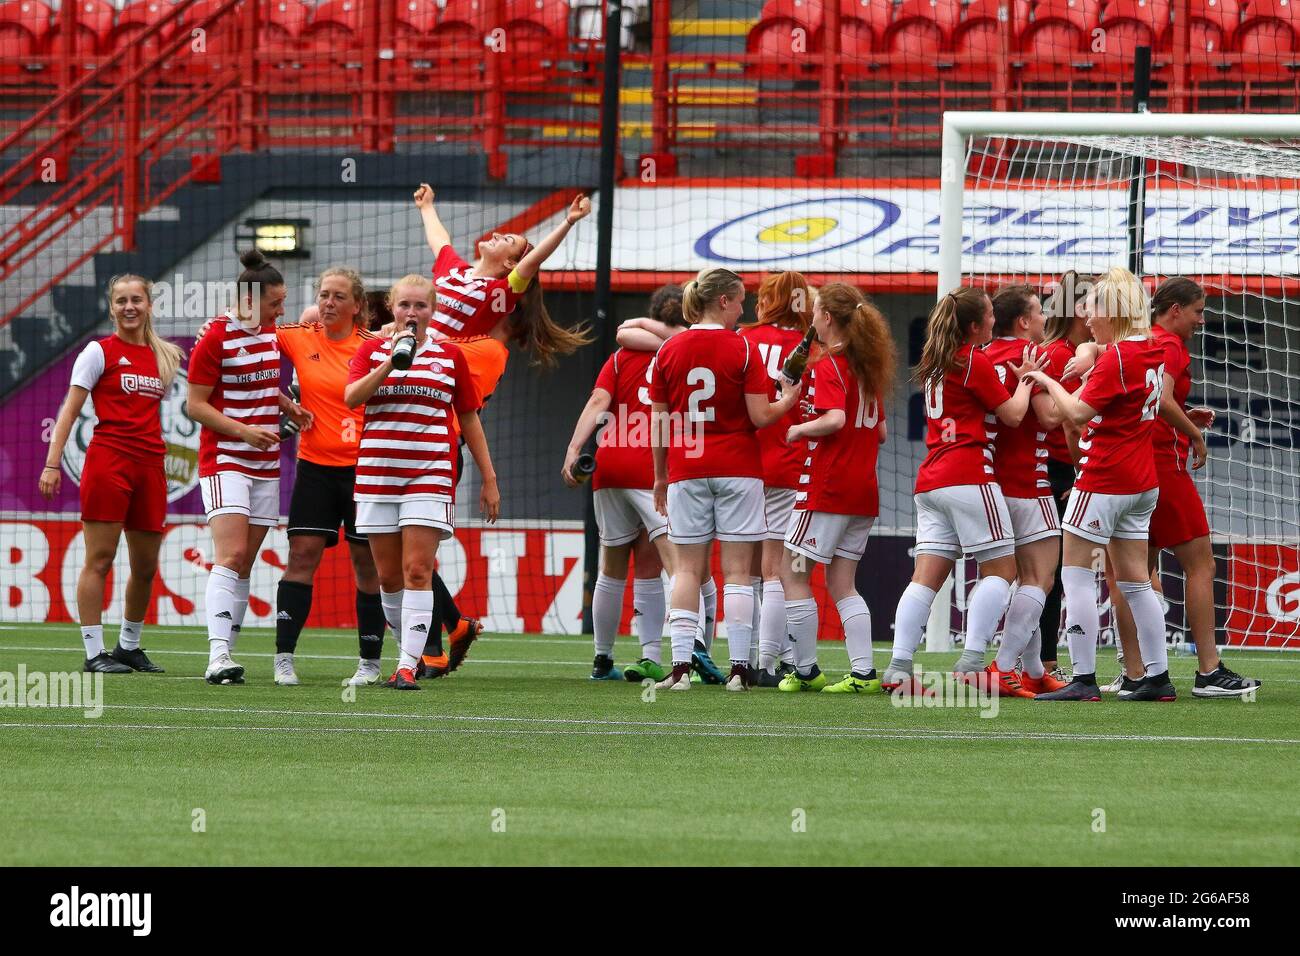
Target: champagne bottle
x,y
404,351
797,361
584,466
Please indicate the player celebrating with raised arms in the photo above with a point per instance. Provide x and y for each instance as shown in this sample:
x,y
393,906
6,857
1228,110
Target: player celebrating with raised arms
x,y
710,384
1179,521
405,487
959,506
123,482
235,396
840,499
1112,501
784,310
624,503
1020,467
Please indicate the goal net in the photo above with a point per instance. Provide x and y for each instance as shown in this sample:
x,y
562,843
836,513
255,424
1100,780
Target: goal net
x,y
1216,199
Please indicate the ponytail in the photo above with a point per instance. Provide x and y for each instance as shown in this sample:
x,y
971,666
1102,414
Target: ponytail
x,y
946,331
705,289
530,326
866,342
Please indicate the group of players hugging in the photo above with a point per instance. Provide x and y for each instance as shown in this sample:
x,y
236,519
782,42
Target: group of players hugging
x,y
1057,442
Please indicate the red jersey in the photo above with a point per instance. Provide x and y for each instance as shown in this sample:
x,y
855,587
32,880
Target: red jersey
x,y
1172,446
960,424
124,386
407,444
1124,388
1058,354
841,478
467,304
703,376
782,463
623,456
1019,454
243,368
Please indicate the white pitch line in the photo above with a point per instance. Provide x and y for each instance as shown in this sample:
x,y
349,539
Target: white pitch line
x,y
654,731
818,729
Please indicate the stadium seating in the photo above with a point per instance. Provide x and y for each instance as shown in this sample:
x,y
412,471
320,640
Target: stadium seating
x,y
919,35
1126,25
413,26
94,27
537,33
136,17
1212,26
863,24
23,29
1057,38
980,29
1268,38
457,36
777,35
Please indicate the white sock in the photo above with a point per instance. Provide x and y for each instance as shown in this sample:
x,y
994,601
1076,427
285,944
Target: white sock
x,y
771,630
648,609
910,618
392,602
1022,620
606,609
1150,621
740,621
983,611
801,624
1080,587
855,616
239,610
709,618
219,609
756,625
1031,658
417,618
92,635
128,636
681,631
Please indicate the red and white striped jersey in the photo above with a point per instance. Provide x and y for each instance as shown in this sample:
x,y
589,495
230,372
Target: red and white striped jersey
x,y
468,304
1020,453
407,442
243,368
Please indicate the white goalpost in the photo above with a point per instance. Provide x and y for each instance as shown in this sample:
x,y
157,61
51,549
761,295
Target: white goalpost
x,y
1024,197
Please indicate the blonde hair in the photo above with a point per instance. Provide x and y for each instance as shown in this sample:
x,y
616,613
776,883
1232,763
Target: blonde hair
x,y
168,355
362,316
867,345
415,279
705,289
1120,296
946,331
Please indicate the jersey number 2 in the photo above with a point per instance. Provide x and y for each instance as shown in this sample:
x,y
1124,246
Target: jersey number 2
x,y
703,386
1155,383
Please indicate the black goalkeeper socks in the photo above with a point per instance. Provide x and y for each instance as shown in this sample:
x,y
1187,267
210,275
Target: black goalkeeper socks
x,y
370,626
293,604
445,605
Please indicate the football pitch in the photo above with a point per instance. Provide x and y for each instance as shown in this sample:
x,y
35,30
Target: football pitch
x,y
520,759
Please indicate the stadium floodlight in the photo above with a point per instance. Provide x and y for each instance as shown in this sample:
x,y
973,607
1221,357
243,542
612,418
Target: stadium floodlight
x,y
282,238
1026,196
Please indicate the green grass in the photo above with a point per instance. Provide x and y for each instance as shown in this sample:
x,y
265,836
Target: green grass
x,y
590,773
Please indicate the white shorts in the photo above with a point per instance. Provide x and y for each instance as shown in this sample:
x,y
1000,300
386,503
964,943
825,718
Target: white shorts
x,y
235,493
390,516
777,505
1033,519
820,536
727,509
1098,517
970,519
621,513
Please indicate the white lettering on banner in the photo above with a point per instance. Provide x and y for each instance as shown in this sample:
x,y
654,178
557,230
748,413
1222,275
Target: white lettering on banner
x,y
564,616
503,549
668,229
1283,598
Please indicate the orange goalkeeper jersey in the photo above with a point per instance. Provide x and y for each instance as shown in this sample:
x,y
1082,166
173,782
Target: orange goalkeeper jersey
x,y
322,366
487,363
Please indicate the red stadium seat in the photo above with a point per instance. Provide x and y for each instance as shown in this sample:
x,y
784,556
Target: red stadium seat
x,y
416,17
94,25
979,32
1212,26
552,16
921,33
23,28
1267,38
1127,25
1058,37
863,24
458,36
537,34
329,37
413,27
784,28
220,42
136,17
285,22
